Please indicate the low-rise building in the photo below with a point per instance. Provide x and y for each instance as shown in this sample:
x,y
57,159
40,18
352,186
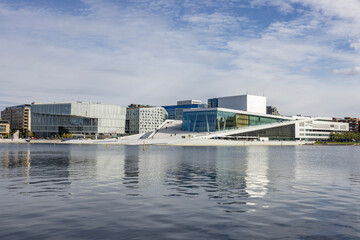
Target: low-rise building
x,y
142,119
4,128
19,117
56,119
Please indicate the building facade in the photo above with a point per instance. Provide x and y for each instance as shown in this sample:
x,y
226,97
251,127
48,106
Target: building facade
x,y
235,123
248,103
19,117
4,128
176,111
77,118
354,123
144,119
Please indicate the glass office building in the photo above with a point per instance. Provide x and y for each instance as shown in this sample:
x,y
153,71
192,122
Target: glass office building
x,y
77,118
220,119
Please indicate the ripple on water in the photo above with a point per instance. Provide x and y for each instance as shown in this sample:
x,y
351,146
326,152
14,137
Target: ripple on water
x,y
91,192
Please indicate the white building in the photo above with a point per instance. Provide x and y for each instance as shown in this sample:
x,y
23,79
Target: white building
x,y
77,118
144,119
318,128
248,103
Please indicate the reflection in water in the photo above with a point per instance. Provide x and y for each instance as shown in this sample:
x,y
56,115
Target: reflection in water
x,y
131,167
228,177
179,192
38,171
256,172
193,171
18,162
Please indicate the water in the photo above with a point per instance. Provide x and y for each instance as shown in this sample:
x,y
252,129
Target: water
x,y
123,192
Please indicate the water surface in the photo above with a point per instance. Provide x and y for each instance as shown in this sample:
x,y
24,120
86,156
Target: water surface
x,y
122,192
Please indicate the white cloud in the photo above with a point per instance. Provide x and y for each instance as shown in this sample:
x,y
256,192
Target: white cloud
x,y
355,45
348,71
125,54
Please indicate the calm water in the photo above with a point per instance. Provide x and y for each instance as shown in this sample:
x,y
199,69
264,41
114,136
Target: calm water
x,y
123,192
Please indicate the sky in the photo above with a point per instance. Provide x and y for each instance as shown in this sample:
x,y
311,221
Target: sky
x,y
303,55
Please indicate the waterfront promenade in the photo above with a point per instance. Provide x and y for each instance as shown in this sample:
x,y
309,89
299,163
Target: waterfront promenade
x,y
170,142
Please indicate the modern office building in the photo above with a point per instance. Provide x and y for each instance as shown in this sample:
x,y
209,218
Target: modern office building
x,y
176,111
77,118
4,128
354,123
248,103
19,117
223,122
144,119
272,110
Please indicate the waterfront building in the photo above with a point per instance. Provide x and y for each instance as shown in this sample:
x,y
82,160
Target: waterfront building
x,y
176,111
143,119
272,110
248,103
236,123
354,123
19,118
77,118
4,128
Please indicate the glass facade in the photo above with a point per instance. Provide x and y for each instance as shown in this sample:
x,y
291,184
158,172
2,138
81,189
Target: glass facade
x,y
77,118
214,120
278,133
176,111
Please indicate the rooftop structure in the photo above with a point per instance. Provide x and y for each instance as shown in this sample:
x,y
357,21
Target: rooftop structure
x,y
77,118
189,102
248,103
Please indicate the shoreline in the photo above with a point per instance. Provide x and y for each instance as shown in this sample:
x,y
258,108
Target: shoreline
x,y
192,142
181,142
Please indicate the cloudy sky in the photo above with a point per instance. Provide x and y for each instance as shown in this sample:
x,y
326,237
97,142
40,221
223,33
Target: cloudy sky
x,y
303,55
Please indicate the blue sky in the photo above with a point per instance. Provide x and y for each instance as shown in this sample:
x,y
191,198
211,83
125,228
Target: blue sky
x,y
302,54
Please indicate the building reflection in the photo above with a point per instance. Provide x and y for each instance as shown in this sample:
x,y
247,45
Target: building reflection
x,y
257,171
44,170
195,171
230,176
16,163
131,167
